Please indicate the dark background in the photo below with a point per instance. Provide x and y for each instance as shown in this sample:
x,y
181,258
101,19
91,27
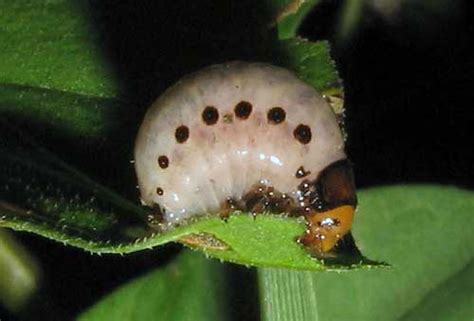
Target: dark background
x,y
409,101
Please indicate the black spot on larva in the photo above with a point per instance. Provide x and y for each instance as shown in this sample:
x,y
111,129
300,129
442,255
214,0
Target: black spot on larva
x,y
243,109
181,134
159,191
302,133
163,161
210,115
276,115
300,172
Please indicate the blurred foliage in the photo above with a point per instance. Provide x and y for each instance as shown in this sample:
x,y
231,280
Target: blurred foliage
x,y
186,289
19,273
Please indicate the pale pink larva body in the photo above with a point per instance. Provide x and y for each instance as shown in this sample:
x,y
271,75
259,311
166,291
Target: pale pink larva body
x,y
221,133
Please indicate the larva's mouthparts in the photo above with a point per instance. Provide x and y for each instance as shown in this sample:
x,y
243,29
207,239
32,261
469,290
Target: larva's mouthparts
x,y
325,229
331,216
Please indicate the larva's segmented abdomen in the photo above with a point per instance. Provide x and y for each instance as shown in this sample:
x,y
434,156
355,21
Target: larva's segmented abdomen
x,y
222,133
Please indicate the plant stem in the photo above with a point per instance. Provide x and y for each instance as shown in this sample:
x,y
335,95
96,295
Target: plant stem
x,y
288,295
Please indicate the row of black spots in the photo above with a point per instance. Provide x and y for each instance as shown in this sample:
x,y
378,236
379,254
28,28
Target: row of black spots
x,y
210,114
275,116
181,134
302,133
163,162
242,110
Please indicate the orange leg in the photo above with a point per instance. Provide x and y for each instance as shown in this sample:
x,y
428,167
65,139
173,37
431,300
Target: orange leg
x,y
325,229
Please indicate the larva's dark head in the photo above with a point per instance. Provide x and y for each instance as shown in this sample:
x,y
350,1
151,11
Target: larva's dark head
x,y
335,186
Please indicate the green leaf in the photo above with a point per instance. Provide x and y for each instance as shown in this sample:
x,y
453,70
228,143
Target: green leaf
x,y
53,71
189,288
70,114
453,299
291,15
312,62
53,45
42,194
424,232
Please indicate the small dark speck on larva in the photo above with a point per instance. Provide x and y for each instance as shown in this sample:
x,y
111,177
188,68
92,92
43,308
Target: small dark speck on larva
x,y
276,115
243,109
159,191
228,118
210,115
302,133
301,172
181,134
163,161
